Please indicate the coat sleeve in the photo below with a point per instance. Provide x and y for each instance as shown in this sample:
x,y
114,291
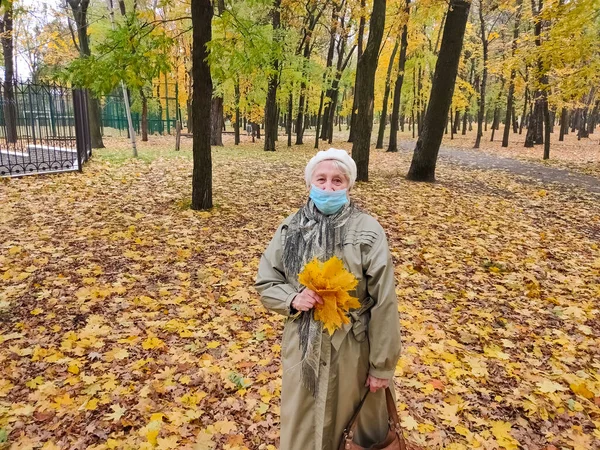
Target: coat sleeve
x,y
275,291
384,326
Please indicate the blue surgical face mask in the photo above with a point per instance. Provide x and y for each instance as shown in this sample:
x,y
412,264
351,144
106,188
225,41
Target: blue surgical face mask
x,y
328,202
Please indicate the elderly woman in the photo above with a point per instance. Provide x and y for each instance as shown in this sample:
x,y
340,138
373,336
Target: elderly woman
x,y
324,377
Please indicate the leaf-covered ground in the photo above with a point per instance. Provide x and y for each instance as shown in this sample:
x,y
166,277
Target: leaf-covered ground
x,y
577,155
128,321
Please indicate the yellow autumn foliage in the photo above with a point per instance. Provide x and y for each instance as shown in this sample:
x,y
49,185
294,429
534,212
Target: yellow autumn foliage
x,y
332,282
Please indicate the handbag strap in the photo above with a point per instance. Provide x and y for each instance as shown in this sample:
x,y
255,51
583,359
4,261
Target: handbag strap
x,y
352,424
394,422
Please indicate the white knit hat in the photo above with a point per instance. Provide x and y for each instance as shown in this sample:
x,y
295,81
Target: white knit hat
x,y
332,154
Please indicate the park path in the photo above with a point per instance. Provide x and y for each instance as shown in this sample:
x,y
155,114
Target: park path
x,y
481,160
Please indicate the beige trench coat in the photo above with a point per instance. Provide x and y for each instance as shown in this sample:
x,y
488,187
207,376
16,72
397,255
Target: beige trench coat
x,y
348,356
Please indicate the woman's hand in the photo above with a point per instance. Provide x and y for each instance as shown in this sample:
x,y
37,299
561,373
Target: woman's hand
x,y
306,300
374,384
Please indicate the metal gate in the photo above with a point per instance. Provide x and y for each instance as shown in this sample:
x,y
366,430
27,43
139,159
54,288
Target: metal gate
x,y
44,128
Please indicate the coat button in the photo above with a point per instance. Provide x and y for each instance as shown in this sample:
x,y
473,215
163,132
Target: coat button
x,y
323,363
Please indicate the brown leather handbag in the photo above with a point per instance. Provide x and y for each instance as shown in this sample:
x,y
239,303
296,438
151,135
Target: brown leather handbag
x,y
394,439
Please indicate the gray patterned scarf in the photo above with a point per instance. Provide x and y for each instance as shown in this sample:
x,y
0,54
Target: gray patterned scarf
x,y
312,234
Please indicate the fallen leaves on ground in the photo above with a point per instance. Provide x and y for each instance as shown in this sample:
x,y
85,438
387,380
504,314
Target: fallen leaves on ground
x,y
129,321
576,155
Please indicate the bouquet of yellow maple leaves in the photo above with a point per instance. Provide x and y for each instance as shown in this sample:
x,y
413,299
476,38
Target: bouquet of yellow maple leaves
x,y
332,282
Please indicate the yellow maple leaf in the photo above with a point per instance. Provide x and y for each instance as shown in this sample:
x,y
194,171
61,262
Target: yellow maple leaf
x,y
463,431
170,442
225,426
549,387
580,441
117,413
409,423
204,440
91,404
152,430
64,400
152,342
332,282
34,382
501,431
581,389
116,353
493,351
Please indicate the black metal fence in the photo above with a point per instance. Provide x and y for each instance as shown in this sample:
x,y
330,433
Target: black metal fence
x,y
43,128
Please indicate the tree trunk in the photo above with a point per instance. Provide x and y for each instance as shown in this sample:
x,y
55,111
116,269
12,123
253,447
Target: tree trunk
x,y
95,121
329,112
594,117
236,127
216,116
306,115
466,112
484,43
495,122
424,160
582,132
144,115
535,130
202,12
338,110
585,118
525,102
365,83
256,128
361,33
218,121
563,124
386,94
538,110
393,143
456,121
513,73
190,110
419,100
547,124
300,120
328,64
289,120
535,125
529,137
496,118
576,120
122,7
335,87
509,109
79,9
271,127
10,109
306,44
